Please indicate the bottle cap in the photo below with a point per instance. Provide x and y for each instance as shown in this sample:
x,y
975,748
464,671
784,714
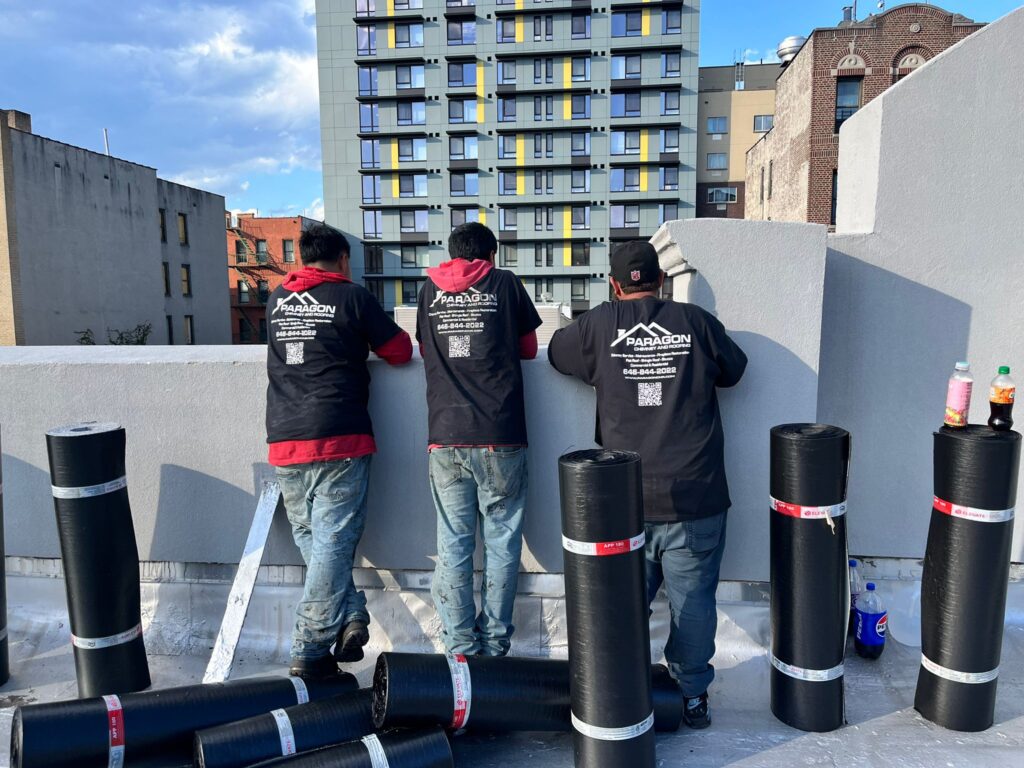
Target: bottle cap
x,y
853,563
1004,370
963,366
871,586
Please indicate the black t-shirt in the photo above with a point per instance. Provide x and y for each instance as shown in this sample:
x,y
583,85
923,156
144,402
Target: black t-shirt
x,y
470,343
319,340
655,365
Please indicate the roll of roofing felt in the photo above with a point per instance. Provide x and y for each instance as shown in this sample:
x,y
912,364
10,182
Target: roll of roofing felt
x,y
101,560
509,694
396,749
606,609
155,728
809,574
287,731
966,571
5,665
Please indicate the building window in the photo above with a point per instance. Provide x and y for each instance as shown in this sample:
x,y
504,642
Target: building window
x,y
461,33
376,288
461,73
763,123
581,217
720,195
186,280
580,180
581,26
373,259
544,289
263,330
408,5
544,254
669,178
163,225
624,216
626,67
669,139
543,28
409,76
543,182
581,69
507,182
182,229
413,257
263,290
627,24
288,251
672,21
543,218
670,102
579,289
412,185
543,145
670,64
369,153
508,255
462,216
668,212
462,110
369,118
580,143
371,189
462,148
411,150
366,39
718,161
412,113
506,73
464,184
368,81
262,254
244,331
167,279
190,330
241,253
506,109
170,329
414,221
373,226
835,197
543,71
625,142
508,219
507,147
848,94
410,291
366,7
408,35
624,180
626,104
580,106
718,125
580,254
506,30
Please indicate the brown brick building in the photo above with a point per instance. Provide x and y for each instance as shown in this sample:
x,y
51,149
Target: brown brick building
x,y
791,172
261,252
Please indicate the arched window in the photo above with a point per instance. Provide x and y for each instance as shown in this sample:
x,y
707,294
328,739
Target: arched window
x,y
907,62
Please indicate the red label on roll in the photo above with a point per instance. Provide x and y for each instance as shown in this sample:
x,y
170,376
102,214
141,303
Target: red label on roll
x,y
462,688
115,728
972,513
807,513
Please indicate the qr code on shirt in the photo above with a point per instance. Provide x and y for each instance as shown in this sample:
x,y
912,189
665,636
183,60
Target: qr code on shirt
x,y
649,394
458,346
295,353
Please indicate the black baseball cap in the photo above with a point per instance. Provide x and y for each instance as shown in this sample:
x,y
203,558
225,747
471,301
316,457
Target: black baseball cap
x,y
635,263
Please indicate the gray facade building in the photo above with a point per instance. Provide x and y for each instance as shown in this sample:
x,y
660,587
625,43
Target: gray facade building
x,y
563,125
90,242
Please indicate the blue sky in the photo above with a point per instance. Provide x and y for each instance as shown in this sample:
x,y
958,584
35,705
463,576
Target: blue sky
x,y
223,94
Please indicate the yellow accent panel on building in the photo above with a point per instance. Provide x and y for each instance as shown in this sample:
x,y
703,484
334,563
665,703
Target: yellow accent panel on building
x,y
483,215
644,142
398,293
567,72
643,178
567,106
645,24
391,7
391,35
394,154
519,5
520,147
395,189
567,234
480,111
479,83
520,29
520,183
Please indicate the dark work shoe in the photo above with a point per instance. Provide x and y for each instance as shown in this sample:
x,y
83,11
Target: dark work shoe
x,y
351,640
695,712
320,668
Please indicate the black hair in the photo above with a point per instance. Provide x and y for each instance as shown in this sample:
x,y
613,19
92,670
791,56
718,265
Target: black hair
x,y
642,288
472,240
322,243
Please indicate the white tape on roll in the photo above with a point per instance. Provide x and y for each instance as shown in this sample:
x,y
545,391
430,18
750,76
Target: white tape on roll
x,y
301,692
973,678
284,730
809,675
462,688
115,732
89,491
92,643
613,734
377,757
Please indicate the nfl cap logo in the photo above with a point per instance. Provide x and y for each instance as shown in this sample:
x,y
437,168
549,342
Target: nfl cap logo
x,y
635,275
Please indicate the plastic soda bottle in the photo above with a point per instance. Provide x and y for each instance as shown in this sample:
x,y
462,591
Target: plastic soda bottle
x,y
872,620
1000,397
958,396
856,587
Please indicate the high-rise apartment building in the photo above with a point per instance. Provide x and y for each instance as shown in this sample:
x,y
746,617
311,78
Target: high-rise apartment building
x,y
563,125
735,108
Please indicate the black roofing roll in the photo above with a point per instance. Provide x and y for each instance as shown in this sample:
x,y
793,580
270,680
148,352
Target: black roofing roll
x,y
287,731
101,560
5,662
504,694
966,571
427,748
606,609
154,728
809,574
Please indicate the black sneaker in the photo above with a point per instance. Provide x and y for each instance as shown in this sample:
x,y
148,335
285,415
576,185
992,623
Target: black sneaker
x,y
351,639
320,668
695,712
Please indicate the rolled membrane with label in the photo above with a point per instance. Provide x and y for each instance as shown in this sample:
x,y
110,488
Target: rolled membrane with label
x,y
101,560
965,577
607,609
155,729
428,748
810,590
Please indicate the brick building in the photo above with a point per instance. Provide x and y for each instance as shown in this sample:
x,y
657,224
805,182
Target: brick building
x,y
791,173
261,252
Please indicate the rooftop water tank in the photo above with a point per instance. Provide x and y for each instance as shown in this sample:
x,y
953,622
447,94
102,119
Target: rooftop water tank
x,y
789,48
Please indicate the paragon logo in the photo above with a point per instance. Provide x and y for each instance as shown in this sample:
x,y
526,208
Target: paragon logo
x,y
472,296
302,304
653,335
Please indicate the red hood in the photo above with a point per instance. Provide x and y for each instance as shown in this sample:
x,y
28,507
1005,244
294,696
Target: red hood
x,y
457,275
310,277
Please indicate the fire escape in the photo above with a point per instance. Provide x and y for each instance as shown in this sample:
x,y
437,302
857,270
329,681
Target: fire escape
x,y
254,269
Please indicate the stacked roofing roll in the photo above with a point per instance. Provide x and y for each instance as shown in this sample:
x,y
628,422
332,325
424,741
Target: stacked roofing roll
x,y
966,571
101,560
428,748
809,574
5,663
153,728
606,609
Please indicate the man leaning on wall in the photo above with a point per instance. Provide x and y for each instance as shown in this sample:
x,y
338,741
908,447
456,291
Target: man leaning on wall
x,y
322,327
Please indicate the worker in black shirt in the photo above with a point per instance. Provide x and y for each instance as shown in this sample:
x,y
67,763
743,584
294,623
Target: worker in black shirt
x,y
656,366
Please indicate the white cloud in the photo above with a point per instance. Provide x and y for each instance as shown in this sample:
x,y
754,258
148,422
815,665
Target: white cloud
x,y
244,186
315,210
759,56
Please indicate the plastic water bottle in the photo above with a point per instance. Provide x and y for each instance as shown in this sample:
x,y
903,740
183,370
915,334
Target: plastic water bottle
x,y
958,396
856,587
869,634
1001,395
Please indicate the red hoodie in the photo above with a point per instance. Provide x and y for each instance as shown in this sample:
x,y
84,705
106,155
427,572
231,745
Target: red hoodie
x,y
396,351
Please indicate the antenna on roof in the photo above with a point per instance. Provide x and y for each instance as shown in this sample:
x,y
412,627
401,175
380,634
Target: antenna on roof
x,y
106,142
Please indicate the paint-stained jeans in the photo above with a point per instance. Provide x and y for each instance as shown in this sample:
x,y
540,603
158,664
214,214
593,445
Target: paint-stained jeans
x,y
686,557
326,505
489,485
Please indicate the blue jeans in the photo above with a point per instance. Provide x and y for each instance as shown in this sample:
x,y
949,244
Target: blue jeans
x,y
468,484
326,506
686,557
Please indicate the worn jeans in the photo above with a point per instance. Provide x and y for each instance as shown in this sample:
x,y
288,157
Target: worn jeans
x,y
686,557
489,485
326,506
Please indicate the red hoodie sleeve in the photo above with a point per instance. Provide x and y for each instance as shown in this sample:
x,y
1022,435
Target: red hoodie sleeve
x,y
528,346
396,351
